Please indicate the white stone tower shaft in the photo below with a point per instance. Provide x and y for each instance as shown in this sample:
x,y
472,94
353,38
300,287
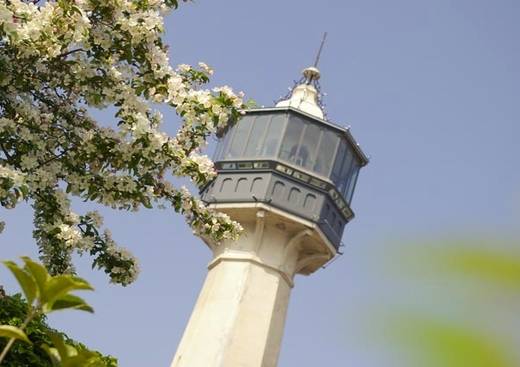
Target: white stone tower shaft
x,y
239,316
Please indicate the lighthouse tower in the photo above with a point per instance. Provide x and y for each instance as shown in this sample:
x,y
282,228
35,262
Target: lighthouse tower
x,y
287,174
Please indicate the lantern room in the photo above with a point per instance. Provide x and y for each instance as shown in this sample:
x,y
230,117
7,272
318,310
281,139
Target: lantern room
x,y
290,157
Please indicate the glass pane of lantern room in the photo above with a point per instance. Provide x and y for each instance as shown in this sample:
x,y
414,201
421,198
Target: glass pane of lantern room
x,y
218,149
307,150
273,135
338,163
256,137
325,155
345,171
223,145
291,139
349,173
238,142
352,182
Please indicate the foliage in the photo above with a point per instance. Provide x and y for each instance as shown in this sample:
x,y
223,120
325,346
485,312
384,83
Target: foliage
x,y
483,277
13,310
66,355
60,59
45,294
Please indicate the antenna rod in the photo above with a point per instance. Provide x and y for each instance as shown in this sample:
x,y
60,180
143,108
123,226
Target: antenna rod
x,y
319,51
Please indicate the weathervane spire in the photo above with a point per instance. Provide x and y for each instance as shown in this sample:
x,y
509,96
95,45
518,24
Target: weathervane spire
x,y
320,49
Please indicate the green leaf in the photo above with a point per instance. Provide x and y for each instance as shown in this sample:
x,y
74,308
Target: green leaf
x,y
146,202
9,331
53,354
27,283
85,359
38,272
59,345
64,355
24,190
71,301
59,286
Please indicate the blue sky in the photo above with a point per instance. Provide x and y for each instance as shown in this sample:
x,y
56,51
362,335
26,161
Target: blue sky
x,y
431,90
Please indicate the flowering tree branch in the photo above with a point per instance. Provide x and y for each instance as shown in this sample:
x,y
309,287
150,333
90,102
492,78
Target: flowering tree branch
x,y
58,60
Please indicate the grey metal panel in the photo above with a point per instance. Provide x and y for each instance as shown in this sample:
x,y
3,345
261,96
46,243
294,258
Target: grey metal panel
x,y
332,223
295,197
237,187
280,192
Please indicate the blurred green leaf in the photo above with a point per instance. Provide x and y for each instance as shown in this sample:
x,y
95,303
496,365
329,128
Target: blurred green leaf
x,y
26,281
8,331
84,359
435,343
53,355
52,292
495,266
38,272
59,286
59,344
64,355
494,261
69,301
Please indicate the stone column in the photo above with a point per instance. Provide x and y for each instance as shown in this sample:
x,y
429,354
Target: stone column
x,y
239,317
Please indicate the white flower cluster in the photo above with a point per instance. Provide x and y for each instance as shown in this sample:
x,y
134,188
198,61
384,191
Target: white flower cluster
x,y
12,186
56,57
69,234
206,222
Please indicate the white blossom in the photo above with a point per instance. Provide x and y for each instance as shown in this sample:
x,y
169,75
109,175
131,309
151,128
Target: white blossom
x,y
79,54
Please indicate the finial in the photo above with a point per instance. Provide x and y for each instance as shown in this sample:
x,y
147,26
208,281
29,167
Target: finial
x,y
306,94
312,72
